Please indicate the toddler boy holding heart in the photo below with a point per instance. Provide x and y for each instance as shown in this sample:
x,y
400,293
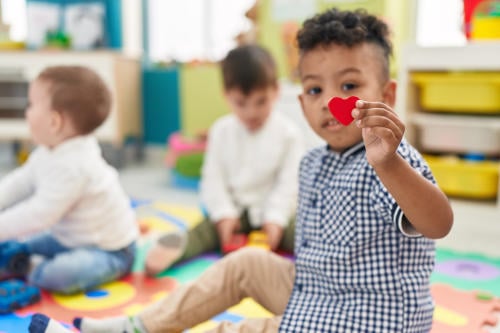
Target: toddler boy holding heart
x,y
369,207
368,211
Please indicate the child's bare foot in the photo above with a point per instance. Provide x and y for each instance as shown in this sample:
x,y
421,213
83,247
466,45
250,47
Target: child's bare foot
x,y
164,252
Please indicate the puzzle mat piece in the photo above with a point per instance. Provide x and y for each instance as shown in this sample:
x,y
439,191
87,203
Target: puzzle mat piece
x,y
115,298
463,270
189,270
462,311
467,271
14,323
122,297
245,309
101,303
10,323
176,215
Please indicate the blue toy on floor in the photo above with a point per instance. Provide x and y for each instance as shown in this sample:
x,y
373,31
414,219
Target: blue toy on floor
x,y
15,263
14,260
15,294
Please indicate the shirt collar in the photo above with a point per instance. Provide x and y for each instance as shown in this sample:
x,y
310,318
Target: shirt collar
x,y
347,153
76,144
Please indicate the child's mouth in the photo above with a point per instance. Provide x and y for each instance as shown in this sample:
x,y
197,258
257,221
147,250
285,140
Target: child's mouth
x,y
331,124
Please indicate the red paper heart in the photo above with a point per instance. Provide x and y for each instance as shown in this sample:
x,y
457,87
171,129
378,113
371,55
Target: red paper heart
x,y
341,109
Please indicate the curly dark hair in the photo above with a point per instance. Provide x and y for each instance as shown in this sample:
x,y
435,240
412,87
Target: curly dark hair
x,y
248,68
347,28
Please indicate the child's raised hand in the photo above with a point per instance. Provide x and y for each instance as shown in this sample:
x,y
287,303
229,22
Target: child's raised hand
x,y
381,128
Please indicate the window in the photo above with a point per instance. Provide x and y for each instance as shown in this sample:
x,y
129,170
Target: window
x,y
14,14
194,29
440,23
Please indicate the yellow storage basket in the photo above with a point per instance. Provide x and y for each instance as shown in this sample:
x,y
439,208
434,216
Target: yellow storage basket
x,y
486,27
467,179
471,92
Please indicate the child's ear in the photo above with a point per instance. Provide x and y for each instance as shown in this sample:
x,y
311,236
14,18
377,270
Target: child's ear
x,y
56,121
301,100
389,93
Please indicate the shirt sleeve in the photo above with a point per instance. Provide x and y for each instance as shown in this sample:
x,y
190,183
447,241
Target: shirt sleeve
x,y
214,189
389,204
16,185
404,226
53,197
282,201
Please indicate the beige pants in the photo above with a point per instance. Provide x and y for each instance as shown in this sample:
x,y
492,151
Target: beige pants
x,y
249,272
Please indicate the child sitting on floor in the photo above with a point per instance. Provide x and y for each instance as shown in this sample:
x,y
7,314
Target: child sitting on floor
x,y
250,170
367,214
66,197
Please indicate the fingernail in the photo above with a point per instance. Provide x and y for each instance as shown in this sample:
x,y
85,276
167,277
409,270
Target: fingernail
x,y
359,103
355,113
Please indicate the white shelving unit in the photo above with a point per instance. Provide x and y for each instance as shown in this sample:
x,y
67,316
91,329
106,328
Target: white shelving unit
x,y
477,223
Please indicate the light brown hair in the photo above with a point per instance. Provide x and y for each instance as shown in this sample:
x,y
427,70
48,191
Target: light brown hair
x,y
79,93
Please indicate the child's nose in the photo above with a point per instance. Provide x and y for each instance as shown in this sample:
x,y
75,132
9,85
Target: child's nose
x,y
252,113
324,102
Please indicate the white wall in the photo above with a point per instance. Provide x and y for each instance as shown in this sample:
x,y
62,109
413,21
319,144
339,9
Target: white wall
x,y
132,27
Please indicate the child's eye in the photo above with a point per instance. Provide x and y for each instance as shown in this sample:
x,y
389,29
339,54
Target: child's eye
x,y
314,91
348,86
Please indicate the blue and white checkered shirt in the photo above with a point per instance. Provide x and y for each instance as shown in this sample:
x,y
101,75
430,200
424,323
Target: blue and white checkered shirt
x,y
360,266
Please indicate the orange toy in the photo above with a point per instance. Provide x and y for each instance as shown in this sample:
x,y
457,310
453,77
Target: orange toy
x,y
255,239
463,311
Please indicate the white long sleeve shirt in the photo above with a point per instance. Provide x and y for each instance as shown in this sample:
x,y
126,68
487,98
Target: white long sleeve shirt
x,y
257,171
70,191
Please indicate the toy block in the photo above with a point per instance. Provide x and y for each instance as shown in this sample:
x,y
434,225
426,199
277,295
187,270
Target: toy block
x,y
15,294
258,239
254,239
237,241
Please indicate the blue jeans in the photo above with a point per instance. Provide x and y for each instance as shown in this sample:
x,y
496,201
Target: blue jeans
x,y
70,270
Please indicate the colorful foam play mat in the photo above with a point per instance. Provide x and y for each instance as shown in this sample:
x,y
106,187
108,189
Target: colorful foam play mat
x,y
465,286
